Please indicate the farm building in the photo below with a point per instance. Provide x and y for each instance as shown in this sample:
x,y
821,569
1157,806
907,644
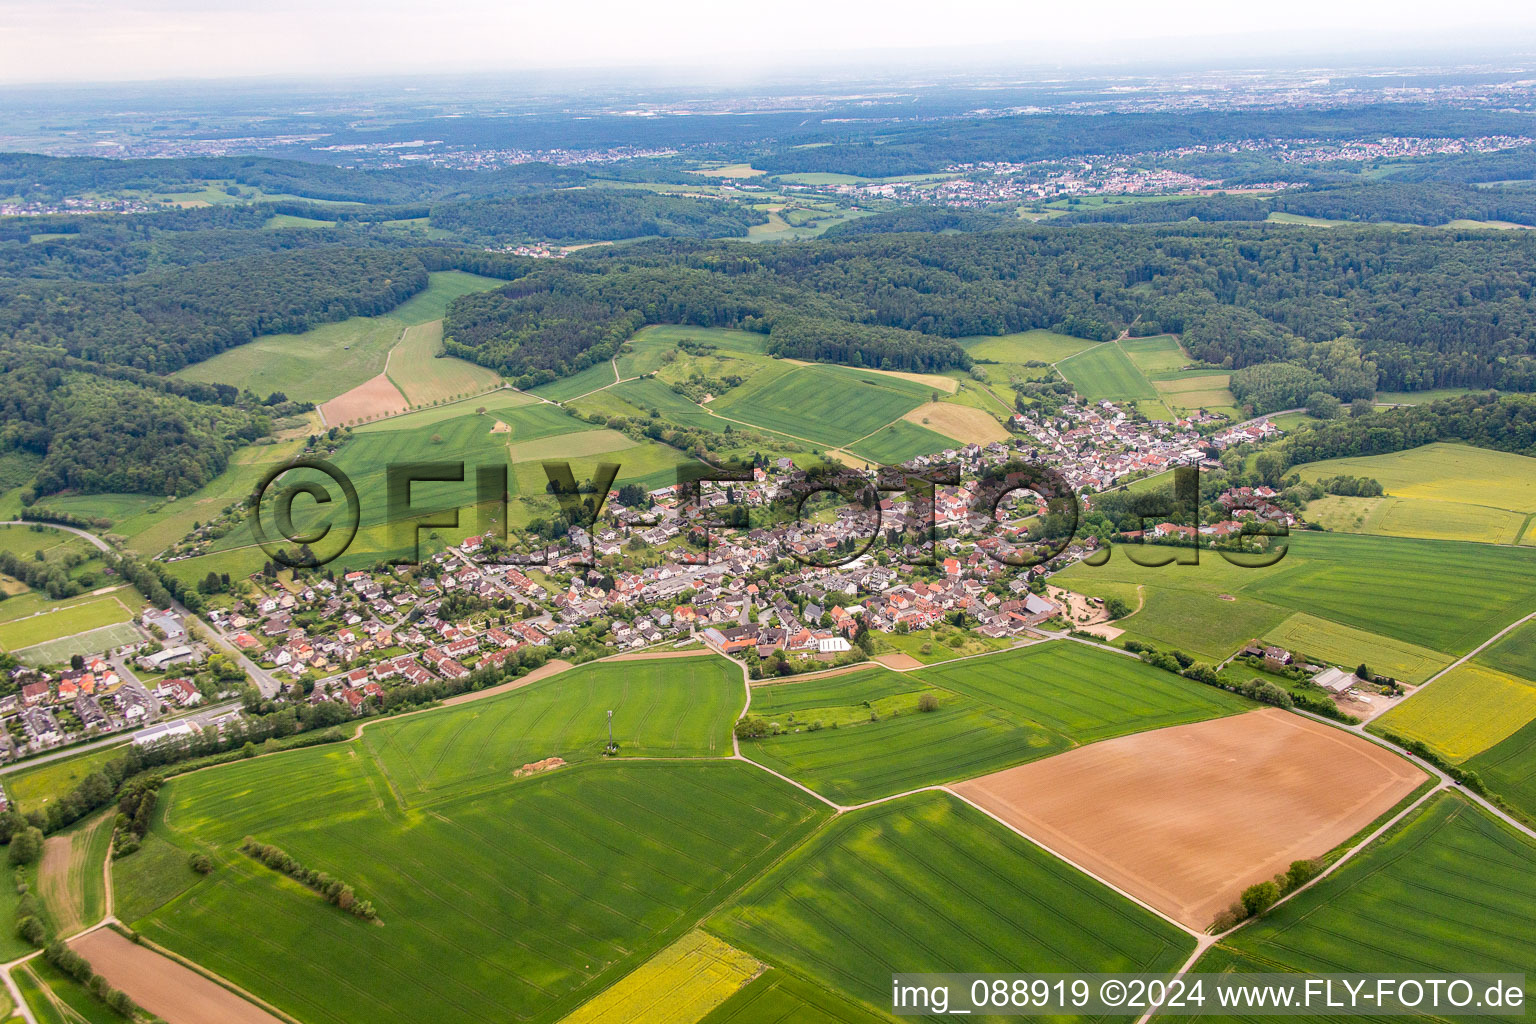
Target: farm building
x,y
1336,680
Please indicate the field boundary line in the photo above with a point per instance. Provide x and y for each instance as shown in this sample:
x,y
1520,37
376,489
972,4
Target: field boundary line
x,y
198,968
1480,648
1181,926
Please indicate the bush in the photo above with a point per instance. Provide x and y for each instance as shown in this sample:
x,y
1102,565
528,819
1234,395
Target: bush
x,y
31,931
26,846
927,702
1259,898
201,863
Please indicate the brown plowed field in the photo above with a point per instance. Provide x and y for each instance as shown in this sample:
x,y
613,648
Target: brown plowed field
x,y
1185,818
371,399
164,987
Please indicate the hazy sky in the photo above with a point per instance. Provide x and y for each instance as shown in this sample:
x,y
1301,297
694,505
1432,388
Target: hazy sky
x,y
103,40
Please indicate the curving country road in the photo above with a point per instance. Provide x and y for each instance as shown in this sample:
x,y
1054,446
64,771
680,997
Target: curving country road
x,y
263,679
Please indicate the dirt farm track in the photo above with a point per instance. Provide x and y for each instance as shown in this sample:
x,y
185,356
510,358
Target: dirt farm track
x,y
1185,818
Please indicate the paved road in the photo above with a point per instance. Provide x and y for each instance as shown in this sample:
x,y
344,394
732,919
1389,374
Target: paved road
x,y
202,717
101,544
263,679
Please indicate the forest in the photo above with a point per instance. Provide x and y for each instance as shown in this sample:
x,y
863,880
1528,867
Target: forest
x,y
1359,309
596,214
1424,203
98,310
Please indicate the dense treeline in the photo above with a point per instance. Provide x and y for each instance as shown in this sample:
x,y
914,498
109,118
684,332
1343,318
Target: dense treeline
x,y
110,436
98,434
133,429
1394,202
1491,420
120,248
162,322
600,214
49,179
1171,211
336,892
1361,309
921,218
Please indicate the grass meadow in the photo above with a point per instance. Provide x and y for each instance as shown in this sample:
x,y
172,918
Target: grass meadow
x,y
825,404
1106,372
1438,491
520,901
32,788
1331,642
651,394
1441,595
1028,346
1449,889
928,884
682,707
598,375
331,359
62,621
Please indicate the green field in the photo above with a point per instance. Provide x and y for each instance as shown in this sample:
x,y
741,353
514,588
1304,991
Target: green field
x,y
1508,768
1156,355
1440,491
927,883
1463,713
1106,372
1082,692
648,350
331,359
511,900
598,375
1204,624
1450,889
832,746
424,375
76,617
1343,645
32,788
56,998
1029,346
1515,653
829,405
1189,393
1377,584
648,395
777,997
901,441
512,428
992,712
680,707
